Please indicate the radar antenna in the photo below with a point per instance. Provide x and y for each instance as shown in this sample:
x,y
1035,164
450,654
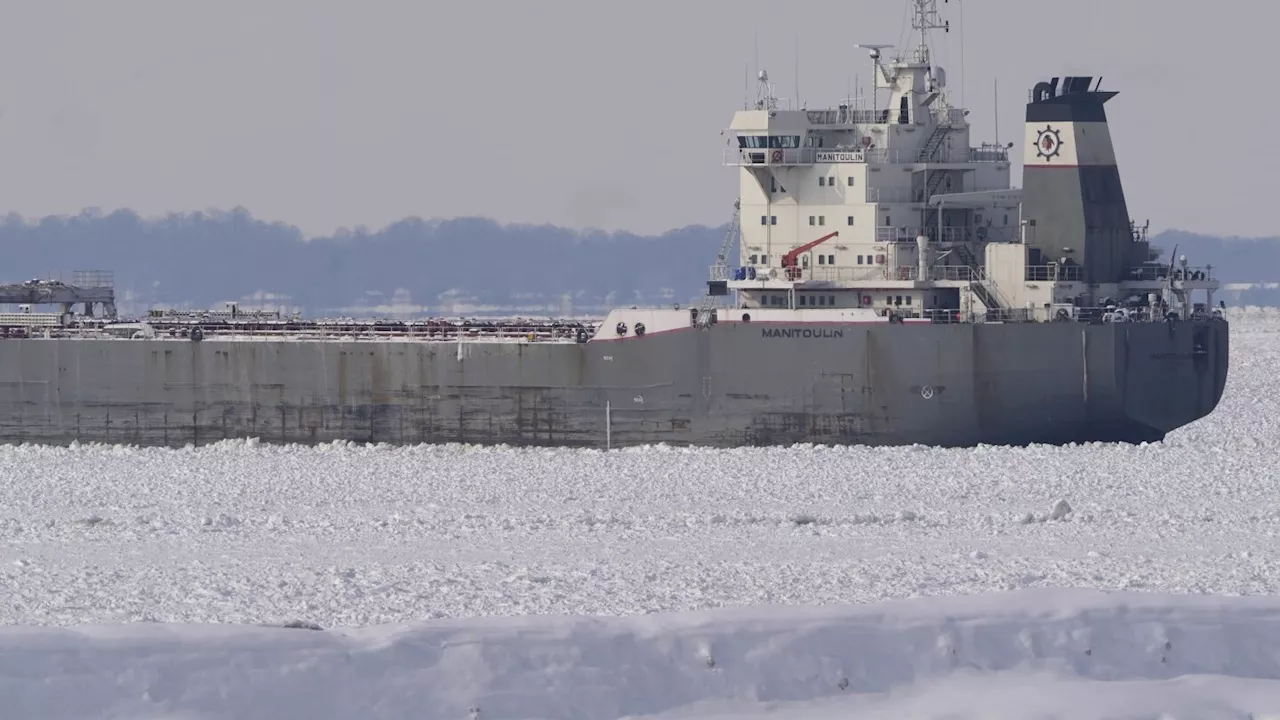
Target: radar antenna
x,y
877,71
765,99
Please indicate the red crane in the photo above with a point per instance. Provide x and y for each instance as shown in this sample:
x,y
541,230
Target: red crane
x,y
789,260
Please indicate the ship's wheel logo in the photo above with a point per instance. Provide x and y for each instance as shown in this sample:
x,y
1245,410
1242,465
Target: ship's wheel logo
x,y
1048,143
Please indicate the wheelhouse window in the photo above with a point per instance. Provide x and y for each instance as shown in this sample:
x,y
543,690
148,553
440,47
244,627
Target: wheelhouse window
x,y
760,142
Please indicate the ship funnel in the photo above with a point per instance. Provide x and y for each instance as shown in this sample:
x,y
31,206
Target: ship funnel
x,y
1072,200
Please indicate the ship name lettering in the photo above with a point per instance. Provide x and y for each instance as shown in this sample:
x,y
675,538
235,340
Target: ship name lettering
x,y
840,156
801,333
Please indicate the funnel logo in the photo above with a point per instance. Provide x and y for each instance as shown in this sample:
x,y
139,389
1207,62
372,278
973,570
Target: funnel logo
x,y
1048,143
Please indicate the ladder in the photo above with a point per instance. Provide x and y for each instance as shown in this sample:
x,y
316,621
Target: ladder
x,y
934,142
976,284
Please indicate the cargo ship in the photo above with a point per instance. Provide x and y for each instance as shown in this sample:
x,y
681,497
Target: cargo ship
x,y
896,289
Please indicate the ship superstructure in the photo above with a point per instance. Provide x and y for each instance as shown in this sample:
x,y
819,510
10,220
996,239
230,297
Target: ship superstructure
x,y
893,208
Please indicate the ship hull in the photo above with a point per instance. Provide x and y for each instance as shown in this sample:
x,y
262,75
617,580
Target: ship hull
x,y
733,384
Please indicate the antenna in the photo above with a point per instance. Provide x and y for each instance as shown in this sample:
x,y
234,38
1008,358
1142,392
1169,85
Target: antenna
x,y
996,103
765,99
926,18
797,71
962,74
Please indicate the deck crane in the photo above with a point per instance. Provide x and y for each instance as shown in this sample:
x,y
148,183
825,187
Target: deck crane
x,y
789,260
720,272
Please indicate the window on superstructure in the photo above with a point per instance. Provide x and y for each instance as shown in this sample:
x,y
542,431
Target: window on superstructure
x,y
850,219
822,300
908,299
822,219
831,299
831,181
822,260
773,219
813,220
764,259
1006,218
773,184
753,259
831,259
764,219
850,185
859,259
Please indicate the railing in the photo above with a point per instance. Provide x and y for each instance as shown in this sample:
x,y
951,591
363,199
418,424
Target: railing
x,y
768,156
962,273
845,274
850,116
1152,273
847,116
337,330
988,154
893,195
872,273
750,157
947,233
1112,314
1045,273
93,278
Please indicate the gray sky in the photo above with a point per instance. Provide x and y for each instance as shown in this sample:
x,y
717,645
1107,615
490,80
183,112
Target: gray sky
x,y
594,113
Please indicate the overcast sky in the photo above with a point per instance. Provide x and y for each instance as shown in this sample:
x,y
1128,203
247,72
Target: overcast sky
x,y
586,113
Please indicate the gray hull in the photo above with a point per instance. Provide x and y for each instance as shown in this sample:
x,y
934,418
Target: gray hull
x,y
730,385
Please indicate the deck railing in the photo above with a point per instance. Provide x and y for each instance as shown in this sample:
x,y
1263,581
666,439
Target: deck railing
x,y
750,157
352,331
558,332
865,273
1160,272
947,233
1045,273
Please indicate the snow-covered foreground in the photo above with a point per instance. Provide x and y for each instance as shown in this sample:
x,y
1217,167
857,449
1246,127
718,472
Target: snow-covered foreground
x,y
349,536
1038,653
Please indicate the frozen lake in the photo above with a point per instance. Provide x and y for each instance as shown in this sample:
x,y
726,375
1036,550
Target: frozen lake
x,y
354,535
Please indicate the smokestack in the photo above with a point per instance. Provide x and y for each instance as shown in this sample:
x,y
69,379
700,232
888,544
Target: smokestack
x,y
1071,184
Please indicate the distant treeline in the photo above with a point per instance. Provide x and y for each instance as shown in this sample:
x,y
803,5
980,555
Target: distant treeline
x,y
202,260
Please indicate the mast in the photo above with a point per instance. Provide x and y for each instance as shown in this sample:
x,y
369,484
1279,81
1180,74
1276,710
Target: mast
x,y
925,18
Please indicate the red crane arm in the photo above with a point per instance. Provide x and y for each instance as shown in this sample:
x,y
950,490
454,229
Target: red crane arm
x,y
789,260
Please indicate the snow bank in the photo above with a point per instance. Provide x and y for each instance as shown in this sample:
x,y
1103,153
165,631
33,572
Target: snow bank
x,y
1071,653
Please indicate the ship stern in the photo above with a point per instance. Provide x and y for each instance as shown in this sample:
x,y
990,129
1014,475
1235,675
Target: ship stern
x,y
1171,373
